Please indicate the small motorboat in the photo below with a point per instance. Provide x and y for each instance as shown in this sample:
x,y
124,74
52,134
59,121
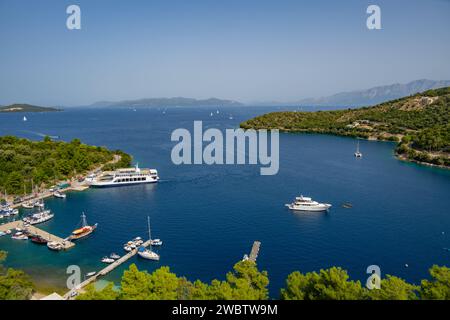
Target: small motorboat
x,y
114,256
127,248
156,242
39,204
2,233
27,205
91,274
8,231
347,205
19,236
107,260
38,240
55,246
60,195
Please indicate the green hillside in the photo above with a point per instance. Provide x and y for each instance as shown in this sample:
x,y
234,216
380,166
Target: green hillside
x,y
420,123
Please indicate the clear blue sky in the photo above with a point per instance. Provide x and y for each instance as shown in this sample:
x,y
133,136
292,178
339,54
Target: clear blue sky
x,y
236,49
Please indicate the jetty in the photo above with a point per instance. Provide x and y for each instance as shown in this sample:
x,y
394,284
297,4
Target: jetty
x,y
110,267
38,232
255,251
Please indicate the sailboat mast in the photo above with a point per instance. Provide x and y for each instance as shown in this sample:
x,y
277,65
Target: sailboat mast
x,y
149,233
83,220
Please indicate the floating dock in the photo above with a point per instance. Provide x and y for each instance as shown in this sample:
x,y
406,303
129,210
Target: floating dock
x,y
103,272
36,231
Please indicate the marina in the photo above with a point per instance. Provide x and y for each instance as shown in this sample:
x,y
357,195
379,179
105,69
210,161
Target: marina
x,y
109,268
200,211
66,244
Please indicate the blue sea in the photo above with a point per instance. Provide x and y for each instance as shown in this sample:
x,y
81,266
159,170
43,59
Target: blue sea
x,y
209,216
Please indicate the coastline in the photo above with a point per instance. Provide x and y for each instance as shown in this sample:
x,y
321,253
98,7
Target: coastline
x,y
369,138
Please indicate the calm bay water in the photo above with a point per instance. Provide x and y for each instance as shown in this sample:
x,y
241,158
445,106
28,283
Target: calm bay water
x,y
209,216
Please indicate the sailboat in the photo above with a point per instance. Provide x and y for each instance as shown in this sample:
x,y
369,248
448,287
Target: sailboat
x,y
84,231
25,119
148,253
358,154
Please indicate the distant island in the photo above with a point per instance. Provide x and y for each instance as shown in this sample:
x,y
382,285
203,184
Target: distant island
x,y
168,102
26,108
420,123
366,97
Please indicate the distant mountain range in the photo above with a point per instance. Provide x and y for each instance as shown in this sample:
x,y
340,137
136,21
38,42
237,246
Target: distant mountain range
x,y
167,102
26,108
375,95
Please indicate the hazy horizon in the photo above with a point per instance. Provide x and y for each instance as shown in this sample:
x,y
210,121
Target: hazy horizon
x,y
251,51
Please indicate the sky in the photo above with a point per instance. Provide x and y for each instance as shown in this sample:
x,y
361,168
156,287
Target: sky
x,y
245,50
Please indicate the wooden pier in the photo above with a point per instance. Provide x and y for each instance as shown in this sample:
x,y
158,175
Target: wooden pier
x,y
36,231
255,250
110,267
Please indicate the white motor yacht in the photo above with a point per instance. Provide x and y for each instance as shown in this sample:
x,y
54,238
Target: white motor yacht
x,y
307,204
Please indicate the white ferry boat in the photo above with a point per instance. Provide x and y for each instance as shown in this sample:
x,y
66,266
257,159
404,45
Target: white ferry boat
x,y
307,204
127,176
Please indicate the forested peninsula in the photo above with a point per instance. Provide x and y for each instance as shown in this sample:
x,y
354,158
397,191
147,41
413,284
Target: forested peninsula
x,y
419,123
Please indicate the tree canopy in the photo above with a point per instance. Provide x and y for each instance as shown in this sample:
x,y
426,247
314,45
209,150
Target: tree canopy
x,y
43,162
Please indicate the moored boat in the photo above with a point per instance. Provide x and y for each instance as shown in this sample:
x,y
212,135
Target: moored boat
x,y
19,236
84,231
107,260
55,246
122,177
114,256
156,242
148,253
59,194
38,240
39,217
27,205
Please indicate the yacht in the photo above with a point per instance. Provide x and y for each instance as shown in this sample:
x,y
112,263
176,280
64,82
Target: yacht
x,y
114,256
358,154
39,204
38,239
20,236
148,253
107,260
27,205
84,231
39,217
58,194
307,204
55,246
126,176
156,242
